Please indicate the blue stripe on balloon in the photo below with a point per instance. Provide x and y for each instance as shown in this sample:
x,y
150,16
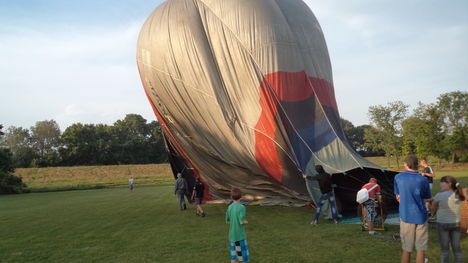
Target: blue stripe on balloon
x,y
315,137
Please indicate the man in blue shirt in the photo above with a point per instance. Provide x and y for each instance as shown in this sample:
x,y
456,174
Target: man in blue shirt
x,y
411,190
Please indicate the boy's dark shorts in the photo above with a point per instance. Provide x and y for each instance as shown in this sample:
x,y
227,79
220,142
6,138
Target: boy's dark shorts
x,y
198,201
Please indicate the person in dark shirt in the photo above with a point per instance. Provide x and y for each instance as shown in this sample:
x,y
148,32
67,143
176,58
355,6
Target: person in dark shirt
x,y
197,193
427,171
430,175
325,184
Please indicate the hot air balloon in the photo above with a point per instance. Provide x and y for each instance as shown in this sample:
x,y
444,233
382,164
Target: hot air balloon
x,y
244,92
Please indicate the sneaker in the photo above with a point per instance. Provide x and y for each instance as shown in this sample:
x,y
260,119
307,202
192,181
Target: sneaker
x,y
314,222
336,221
198,214
203,214
376,233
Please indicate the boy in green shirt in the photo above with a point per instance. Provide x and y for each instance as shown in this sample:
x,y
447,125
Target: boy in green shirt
x,y
235,217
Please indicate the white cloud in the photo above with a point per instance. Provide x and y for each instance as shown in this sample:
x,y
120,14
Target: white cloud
x,y
84,75
384,51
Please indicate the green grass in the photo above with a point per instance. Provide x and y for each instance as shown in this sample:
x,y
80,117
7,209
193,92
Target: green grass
x,y
92,177
115,225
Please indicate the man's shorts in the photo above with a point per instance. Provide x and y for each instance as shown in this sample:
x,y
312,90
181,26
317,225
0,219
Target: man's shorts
x,y
414,236
239,250
198,201
370,209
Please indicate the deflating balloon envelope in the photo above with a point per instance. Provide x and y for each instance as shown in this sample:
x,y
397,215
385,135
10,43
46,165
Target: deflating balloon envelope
x,y
245,94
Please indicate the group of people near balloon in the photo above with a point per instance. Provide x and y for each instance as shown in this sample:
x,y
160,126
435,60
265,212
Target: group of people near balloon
x,y
412,190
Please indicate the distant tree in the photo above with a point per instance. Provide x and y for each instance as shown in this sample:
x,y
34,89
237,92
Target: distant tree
x,y
355,136
386,131
46,141
423,132
86,144
454,107
19,141
9,184
135,141
156,142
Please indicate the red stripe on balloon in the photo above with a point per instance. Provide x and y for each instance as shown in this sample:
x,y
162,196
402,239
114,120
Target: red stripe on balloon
x,y
266,154
283,87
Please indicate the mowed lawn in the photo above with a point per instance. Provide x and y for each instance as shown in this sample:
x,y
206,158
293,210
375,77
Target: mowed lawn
x,y
115,225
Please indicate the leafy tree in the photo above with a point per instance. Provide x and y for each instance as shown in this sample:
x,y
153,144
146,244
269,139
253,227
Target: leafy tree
x,y
454,107
156,142
86,144
423,131
9,184
355,136
386,131
19,141
46,141
130,139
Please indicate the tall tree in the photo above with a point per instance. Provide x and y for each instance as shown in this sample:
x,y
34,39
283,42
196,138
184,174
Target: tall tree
x,y
19,141
454,106
156,143
386,133
46,140
423,131
9,184
86,144
355,136
136,141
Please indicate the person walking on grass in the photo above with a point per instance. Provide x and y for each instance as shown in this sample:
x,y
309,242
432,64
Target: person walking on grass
x,y
325,184
130,183
181,188
236,218
197,194
374,195
411,190
448,204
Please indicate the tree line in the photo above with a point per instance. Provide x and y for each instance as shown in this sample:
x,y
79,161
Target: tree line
x,y
129,141
434,129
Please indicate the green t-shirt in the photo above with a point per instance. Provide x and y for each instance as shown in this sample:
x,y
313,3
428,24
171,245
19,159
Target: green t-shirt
x,y
235,214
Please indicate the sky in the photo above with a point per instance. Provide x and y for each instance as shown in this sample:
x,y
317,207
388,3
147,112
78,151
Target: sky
x,y
75,61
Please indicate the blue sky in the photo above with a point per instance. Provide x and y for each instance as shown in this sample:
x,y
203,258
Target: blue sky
x,y
74,61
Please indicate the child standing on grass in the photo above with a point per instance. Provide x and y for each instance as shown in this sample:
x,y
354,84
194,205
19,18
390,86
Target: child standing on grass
x,y
448,204
235,217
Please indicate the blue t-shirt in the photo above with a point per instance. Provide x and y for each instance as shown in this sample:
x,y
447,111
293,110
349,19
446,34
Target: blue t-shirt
x,y
413,189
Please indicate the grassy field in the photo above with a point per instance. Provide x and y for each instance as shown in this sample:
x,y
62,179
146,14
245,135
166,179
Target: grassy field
x,y
115,225
88,177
